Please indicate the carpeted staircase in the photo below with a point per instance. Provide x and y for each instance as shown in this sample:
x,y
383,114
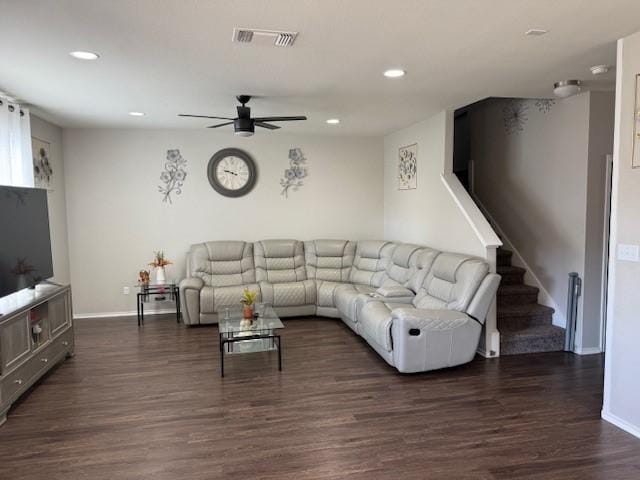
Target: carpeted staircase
x,y
524,325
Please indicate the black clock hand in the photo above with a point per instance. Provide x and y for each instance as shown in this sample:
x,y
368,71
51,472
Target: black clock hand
x,y
232,173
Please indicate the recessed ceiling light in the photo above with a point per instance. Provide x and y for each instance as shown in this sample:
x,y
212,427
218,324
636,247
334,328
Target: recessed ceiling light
x,y
394,73
136,114
80,55
536,32
333,121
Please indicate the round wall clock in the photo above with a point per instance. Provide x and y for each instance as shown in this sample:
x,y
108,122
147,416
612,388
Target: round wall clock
x,y
232,172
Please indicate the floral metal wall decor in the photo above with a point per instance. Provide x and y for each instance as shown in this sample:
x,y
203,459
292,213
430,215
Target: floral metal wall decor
x,y
294,175
408,167
173,176
514,115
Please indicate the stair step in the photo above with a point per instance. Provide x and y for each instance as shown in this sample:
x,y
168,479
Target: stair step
x,y
511,275
539,338
525,315
517,294
503,257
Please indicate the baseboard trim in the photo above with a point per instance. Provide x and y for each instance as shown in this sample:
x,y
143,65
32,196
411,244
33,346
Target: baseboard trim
x,y
618,422
132,313
588,350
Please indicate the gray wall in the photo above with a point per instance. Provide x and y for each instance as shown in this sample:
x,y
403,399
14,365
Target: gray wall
x,y
622,382
429,214
56,197
117,218
544,187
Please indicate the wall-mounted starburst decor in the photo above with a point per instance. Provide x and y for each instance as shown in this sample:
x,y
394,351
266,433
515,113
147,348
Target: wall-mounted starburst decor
x,y
514,115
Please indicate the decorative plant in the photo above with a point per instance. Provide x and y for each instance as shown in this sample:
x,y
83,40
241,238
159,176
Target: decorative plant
x,y
159,260
22,267
296,172
173,176
248,297
144,277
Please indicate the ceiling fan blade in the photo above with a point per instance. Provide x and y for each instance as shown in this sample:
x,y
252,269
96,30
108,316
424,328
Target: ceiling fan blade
x,y
279,119
204,116
220,125
266,125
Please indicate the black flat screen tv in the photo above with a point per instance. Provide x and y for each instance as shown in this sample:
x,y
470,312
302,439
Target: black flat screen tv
x,y
25,240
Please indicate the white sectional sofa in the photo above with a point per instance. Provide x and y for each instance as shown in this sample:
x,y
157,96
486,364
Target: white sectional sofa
x,y
420,309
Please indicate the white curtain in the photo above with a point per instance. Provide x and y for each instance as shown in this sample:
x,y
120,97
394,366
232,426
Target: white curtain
x,y
16,163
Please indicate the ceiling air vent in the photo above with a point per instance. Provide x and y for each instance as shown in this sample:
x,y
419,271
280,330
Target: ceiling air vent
x,y
264,37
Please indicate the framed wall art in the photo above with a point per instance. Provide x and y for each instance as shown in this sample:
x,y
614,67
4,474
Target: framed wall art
x,y
408,167
42,164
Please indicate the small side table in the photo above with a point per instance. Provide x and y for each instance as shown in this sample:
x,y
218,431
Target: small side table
x,y
146,292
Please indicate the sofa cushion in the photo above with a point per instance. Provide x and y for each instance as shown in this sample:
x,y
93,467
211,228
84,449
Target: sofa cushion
x,y
371,260
346,298
408,266
326,293
279,261
289,294
213,299
329,260
451,283
222,263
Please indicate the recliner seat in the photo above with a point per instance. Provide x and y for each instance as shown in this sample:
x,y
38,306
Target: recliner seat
x,y
282,276
418,308
217,273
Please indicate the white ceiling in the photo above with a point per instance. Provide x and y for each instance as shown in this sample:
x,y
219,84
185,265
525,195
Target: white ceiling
x,y
165,57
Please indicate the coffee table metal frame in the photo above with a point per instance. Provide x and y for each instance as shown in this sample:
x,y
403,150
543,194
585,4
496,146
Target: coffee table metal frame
x,y
259,331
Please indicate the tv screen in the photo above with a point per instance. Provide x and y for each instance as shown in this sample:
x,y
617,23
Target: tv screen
x,y
25,242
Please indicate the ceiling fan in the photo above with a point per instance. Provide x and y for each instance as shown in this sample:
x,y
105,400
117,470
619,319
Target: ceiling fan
x,y
244,125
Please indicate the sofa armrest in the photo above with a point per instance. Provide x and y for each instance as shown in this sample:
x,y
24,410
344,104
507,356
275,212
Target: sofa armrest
x,y
430,319
425,339
393,292
190,300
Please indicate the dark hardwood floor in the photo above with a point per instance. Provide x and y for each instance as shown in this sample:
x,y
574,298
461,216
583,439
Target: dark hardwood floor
x,y
150,404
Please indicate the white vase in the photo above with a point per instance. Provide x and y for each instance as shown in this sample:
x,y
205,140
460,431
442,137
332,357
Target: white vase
x,y
161,279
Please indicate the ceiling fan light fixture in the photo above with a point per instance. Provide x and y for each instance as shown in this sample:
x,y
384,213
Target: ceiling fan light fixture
x,y
566,88
244,133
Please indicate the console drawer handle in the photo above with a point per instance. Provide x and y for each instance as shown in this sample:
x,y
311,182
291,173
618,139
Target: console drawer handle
x,y
18,381
44,360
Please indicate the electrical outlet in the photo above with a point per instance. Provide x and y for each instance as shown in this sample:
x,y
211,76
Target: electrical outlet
x,y
630,253
126,290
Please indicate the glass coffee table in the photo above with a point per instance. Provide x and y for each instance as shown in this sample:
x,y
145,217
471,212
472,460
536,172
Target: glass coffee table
x,y
237,336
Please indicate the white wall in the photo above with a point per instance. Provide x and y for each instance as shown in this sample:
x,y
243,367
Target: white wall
x,y
622,382
544,187
429,214
117,219
56,197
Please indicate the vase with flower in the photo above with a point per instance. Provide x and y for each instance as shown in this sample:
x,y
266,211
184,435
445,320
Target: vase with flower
x,y
247,300
159,263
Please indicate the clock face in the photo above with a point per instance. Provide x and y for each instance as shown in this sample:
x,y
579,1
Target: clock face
x,y
232,172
